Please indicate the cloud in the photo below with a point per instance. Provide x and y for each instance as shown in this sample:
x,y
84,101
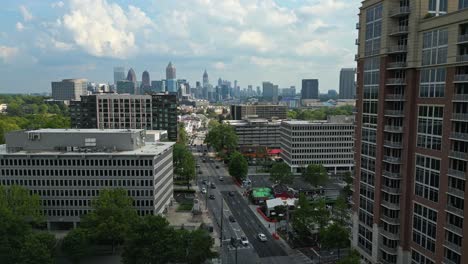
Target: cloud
x,y
219,65
7,53
27,16
105,30
255,39
19,26
58,4
316,48
324,7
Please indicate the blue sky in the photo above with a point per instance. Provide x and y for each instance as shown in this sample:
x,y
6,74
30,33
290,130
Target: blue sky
x,y
282,41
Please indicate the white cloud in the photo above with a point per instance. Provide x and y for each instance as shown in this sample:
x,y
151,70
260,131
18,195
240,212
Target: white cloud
x,y
105,30
7,53
58,4
25,13
19,26
265,61
316,48
219,65
255,39
324,7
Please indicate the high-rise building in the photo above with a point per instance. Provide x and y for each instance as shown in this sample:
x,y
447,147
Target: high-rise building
x,y
254,132
158,86
69,89
165,113
119,74
171,82
145,83
206,81
412,130
270,92
170,71
347,83
67,169
240,112
126,87
310,89
131,79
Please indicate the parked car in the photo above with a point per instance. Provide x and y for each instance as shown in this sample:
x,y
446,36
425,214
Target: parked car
x,y
213,186
212,197
203,190
244,241
262,237
231,194
220,178
232,219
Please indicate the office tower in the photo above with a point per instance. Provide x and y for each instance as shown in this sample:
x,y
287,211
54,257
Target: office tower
x,y
240,112
69,89
171,83
119,74
68,168
412,130
206,81
259,92
165,114
332,93
112,111
328,142
254,132
131,79
126,87
347,83
145,83
310,89
250,91
158,86
270,92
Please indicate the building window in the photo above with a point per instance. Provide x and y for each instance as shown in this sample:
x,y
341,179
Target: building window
x,y
432,83
438,7
430,119
462,4
434,50
373,30
365,239
427,178
418,258
452,256
424,227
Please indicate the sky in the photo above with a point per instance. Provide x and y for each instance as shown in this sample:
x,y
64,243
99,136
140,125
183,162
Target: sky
x,y
282,41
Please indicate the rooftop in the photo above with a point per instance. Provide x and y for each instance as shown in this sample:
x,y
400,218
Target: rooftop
x,y
83,130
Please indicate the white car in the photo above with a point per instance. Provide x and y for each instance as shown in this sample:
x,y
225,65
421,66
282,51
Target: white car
x,y
262,237
244,241
203,190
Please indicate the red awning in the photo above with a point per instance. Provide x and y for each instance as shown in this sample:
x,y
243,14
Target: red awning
x,y
274,151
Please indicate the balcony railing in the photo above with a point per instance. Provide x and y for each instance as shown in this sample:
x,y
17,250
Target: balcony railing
x,y
455,229
391,159
399,30
390,235
396,65
462,58
393,206
394,113
390,220
392,144
391,190
448,261
454,210
456,173
456,192
393,175
396,81
460,78
358,26
356,42
452,246
388,249
401,11
394,129
394,97
462,38
397,49
460,136
460,97
356,57
459,155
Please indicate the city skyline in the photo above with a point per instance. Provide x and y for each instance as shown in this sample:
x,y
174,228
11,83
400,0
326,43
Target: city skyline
x,y
44,41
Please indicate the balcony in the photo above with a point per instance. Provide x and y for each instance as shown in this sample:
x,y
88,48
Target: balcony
x,y
400,11
390,159
396,65
456,192
459,136
391,190
397,49
356,57
390,235
390,220
460,78
356,42
393,129
394,97
448,261
399,30
358,26
460,97
392,144
459,155
453,246
462,58
453,228
454,210
456,174
389,205
396,81
397,113
388,249
463,39
393,175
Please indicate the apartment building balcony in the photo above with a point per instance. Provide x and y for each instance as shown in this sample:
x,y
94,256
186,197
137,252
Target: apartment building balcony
x,y
356,42
462,58
463,39
397,49
396,65
397,113
389,235
394,97
392,175
398,30
391,190
389,205
356,57
384,261
454,210
388,249
460,78
392,144
400,11
456,173
448,261
395,81
393,129
453,246
390,220
358,26
456,192
453,228
460,97
459,155
459,136
394,160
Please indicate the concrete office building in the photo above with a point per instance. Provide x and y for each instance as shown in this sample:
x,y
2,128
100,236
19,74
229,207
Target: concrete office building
x,y
347,83
270,92
119,74
310,89
411,135
253,132
240,112
69,89
329,142
68,168
164,107
126,87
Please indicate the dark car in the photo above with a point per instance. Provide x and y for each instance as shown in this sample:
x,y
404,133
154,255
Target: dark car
x,y
232,219
231,194
199,172
212,197
213,186
217,166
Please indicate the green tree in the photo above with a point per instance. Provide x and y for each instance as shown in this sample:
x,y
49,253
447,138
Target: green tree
x,y
320,214
352,258
292,114
302,221
188,171
178,154
334,236
6,126
21,203
182,136
37,247
238,166
315,174
197,246
77,245
43,109
111,218
340,210
222,138
281,173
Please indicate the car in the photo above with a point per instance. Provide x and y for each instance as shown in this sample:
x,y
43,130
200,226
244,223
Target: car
x,y
212,186
244,241
197,166
212,197
231,194
203,190
205,182
217,166
231,219
204,160
221,178
262,237
199,172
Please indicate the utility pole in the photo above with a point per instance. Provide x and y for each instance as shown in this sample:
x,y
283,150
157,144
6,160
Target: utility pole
x,y
222,214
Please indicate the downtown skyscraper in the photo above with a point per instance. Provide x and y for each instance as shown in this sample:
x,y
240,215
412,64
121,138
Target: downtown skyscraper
x,y
412,132
347,83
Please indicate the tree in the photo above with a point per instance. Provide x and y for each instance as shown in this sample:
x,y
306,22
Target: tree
x,y
315,174
178,154
222,137
77,245
292,114
340,210
281,173
37,247
302,220
18,201
111,218
182,137
188,170
238,166
320,214
334,236
352,258
198,244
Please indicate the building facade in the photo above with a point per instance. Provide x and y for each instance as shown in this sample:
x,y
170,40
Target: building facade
x,y
347,83
270,92
411,134
68,168
240,112
310,89
329,143
119,74
254,132
165,113
69,89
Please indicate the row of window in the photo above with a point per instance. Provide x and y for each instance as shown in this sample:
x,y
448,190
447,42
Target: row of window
x,y
83,183
75,162
81,202
333,162
74,173
79,213
424,227
312,128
